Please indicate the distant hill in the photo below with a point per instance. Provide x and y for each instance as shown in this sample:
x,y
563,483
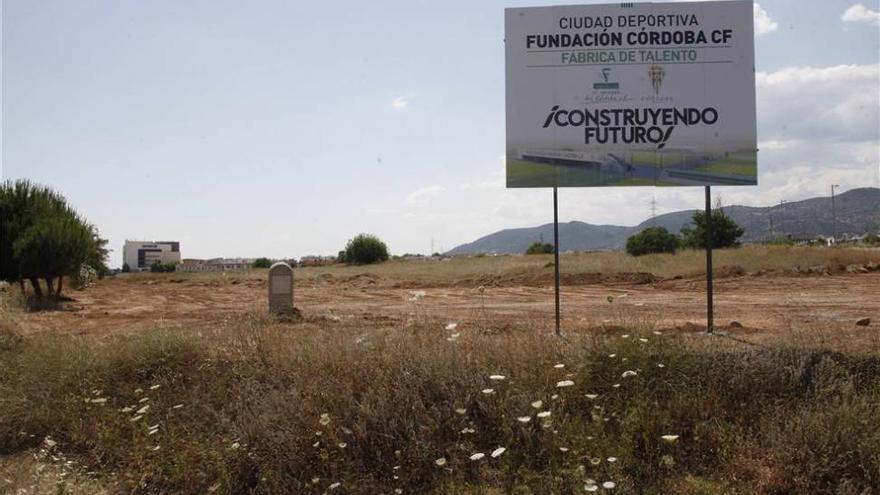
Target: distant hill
x,y
858,211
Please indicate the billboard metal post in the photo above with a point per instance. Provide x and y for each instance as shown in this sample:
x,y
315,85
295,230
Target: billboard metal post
x,y
556,255
710,309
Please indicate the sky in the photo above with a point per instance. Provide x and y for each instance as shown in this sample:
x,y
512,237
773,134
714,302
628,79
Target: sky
x,y
282,129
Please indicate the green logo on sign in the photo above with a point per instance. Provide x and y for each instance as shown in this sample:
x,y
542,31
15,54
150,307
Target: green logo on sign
x,y
605,85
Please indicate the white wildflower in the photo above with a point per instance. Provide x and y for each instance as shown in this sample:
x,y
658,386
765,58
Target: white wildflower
x,y
643,340
177,406
451,326
669,438
325,419
342,445
565,383
143,410
335,485
608,485
488,391
612,459
101,400
524,419
563,449
440,462
155,387
537,404
628,373
544,414
497,378
591,488
591,396
136,418
661,365
235,445
497,452
477,456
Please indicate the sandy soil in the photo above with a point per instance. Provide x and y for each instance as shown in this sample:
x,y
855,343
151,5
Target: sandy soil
x,y
768,303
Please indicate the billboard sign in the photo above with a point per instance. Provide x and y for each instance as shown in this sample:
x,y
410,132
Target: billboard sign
x,y
631,94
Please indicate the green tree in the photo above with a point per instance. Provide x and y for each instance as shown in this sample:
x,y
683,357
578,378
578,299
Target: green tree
x,y
159,267
51,248
540,248
365,249
652,240
725,232
42,237
262,263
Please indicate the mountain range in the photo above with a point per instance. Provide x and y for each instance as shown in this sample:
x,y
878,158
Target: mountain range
x,y
857,212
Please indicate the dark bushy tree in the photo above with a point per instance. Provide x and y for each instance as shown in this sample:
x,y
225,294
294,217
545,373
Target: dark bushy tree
x,y
652,240
540,248
262,263
725,232
365,249
159,267
42,237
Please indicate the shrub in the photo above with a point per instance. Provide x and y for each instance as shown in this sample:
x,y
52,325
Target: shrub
x,y
126,268
652,240
159,267
540,248
85,277
365,249
262,263
725,232
871,239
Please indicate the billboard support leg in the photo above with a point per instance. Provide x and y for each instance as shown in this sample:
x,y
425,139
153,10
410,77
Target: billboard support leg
x,y
710,317
556,255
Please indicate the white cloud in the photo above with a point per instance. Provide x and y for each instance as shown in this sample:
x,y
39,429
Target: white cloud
x,y
424,195
763,23
819,104
400,102
860,13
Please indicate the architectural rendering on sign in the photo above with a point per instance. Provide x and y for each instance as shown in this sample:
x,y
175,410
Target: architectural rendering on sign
x,y
631,95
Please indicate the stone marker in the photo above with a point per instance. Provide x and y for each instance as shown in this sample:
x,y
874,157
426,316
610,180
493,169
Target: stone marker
x,y
281,289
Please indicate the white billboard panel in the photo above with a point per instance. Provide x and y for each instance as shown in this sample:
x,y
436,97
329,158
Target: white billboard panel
x,y
631,95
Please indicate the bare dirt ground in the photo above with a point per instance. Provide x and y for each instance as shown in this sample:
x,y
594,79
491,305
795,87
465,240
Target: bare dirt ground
x,y
765,303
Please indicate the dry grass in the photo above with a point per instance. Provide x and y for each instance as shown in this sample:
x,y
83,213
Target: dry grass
x,y
537,269
251,393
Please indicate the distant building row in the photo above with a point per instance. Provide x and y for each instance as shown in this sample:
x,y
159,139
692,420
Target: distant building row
x,y
139,256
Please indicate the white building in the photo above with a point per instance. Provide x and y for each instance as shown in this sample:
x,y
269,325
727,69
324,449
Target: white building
x,y
140,255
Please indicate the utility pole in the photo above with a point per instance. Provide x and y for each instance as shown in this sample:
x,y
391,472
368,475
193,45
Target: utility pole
x,y
833,214
653,210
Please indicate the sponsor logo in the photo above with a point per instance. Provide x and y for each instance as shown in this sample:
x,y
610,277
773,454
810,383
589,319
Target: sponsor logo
x,y
656,73
606,85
